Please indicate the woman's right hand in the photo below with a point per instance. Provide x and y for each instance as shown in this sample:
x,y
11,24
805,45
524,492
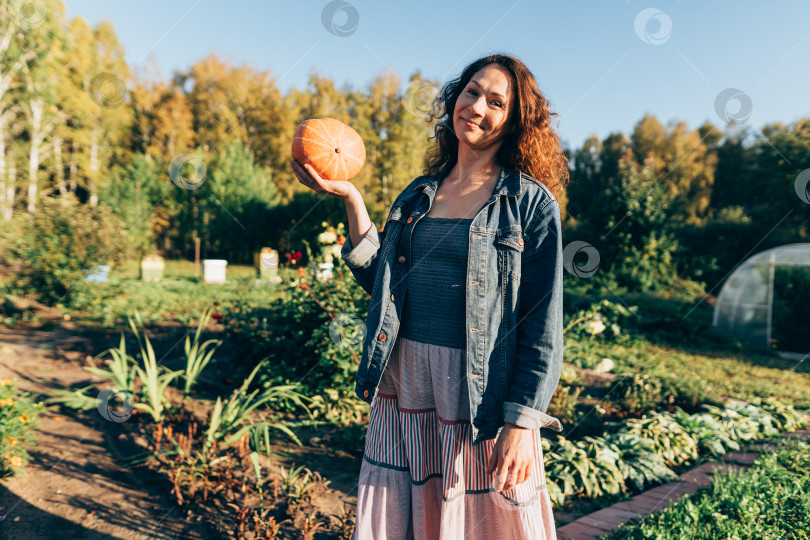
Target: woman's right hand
x,y
342,189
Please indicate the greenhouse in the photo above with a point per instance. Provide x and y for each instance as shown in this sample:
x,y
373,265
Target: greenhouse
x,y
764,302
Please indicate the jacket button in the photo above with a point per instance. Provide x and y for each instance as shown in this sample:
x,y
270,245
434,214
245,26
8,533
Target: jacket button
x,y
410,219
392,297
401,258
365,393
382,337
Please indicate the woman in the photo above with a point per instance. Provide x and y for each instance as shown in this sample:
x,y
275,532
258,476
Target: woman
x,y
463,348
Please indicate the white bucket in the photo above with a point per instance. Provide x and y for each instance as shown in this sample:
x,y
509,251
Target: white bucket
x,y
214,270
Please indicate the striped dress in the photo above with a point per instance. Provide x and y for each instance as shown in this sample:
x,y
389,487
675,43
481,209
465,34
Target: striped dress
x,y
421,477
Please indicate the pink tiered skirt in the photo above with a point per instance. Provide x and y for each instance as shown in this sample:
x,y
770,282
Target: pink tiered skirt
x,y
421,477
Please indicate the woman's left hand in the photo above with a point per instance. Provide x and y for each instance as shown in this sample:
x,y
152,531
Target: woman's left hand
x,y
512,458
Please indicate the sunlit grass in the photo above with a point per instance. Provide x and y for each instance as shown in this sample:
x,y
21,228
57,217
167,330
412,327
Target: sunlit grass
x,y
741,375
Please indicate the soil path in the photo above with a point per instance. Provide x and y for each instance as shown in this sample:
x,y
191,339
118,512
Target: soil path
x,y
78,483
75,485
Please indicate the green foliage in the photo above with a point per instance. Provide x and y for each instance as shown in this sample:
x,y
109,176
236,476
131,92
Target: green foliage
x,y
671,441
711,435
634,212
234,202
198,355
563,403
635,392
154,378
311,334
604,320
139,196
769,500
232,419
687,393
58,243
339,407
641,451
638,460
19,416
122,370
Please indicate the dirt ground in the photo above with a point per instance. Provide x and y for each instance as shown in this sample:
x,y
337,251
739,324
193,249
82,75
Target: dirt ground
x,y
77,484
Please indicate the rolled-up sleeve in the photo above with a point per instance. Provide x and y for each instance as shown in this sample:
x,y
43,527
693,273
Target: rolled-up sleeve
x,y
539,354
358,256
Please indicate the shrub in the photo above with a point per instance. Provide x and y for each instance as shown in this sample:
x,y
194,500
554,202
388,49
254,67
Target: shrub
x,y
686,393
60,242
603,319
633,393
311,334
18,419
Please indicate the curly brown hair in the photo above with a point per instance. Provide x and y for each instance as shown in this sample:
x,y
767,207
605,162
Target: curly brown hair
x,y
530,145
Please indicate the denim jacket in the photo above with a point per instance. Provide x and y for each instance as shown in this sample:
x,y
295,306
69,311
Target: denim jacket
x,y
513,297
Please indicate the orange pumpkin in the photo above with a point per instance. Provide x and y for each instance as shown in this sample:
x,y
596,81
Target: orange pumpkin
x,y
334,150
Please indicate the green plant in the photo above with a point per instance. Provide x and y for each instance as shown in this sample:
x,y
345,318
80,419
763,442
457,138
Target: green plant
x,y
671,441
231,420
311,334
604,320
582,469
739,426
74,399
685,392
198,355
155,379
122,370
638,460
563,403
769,500
340,407
19,415
297,484
711,435
60,243
635,392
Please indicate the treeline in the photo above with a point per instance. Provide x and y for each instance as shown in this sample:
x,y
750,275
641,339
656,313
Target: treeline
x,y
78,123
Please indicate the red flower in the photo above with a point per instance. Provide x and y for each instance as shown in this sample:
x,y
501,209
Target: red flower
x,y
304,286
341,239
300,271
217,316
297,255
288,257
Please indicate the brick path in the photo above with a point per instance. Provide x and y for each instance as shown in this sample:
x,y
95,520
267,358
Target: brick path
x,y
604,521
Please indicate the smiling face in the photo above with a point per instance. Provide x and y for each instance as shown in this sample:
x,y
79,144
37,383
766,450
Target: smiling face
x,y
481,115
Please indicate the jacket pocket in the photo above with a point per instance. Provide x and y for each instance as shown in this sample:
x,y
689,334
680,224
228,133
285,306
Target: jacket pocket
x,y
509,246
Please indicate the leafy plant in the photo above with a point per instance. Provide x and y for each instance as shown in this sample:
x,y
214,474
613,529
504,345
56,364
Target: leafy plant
x,y
155,378
19,415
59,243
563,403
231,420
198,355
671,441
635,392
122,371
638,460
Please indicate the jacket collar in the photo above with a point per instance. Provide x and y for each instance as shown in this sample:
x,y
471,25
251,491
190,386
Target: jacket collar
x,y
508,182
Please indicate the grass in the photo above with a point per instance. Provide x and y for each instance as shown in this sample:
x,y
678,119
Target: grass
x,y
180,296
737,374
771,500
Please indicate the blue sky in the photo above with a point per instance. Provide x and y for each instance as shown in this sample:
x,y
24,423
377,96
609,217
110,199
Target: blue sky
x,y
600,73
